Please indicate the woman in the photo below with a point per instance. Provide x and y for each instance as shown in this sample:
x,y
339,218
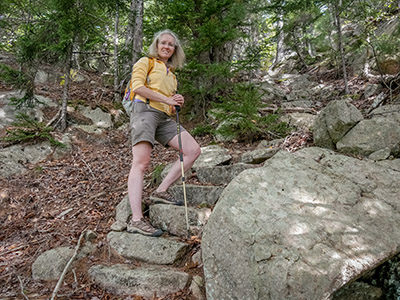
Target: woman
x,y
154,103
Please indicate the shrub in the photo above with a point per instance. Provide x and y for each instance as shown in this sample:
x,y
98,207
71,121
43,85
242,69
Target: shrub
x,y
239,118
26,129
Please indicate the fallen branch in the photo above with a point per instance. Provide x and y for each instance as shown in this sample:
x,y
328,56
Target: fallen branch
x,y
22,288
67,266
287,110
105,192
90,170
12,250
54,118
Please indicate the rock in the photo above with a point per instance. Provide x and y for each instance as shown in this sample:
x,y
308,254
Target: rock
x,y
90,236
378,100
77,77
371,90
212,156
92,129
50,264
390,164
270,144
297,103
118,226
14,158
380,154
61,151
123,210
44,75
221,175
358,291
147,249
334,121
258,156
168,167
371,135
271,92
196,258
197,288
301,227
146,281
99,118
41,76
391,112
8,112
173,219
299,120
197,194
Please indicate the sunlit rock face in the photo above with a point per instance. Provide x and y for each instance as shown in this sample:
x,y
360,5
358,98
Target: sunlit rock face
x,y
301,227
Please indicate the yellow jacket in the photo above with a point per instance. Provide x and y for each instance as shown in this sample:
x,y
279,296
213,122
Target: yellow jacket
x,y
160,80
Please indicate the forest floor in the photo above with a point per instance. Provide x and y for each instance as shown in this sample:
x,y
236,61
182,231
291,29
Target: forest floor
x,y
52,203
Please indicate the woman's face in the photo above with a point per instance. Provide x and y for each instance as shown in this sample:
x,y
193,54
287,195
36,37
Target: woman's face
x,y
165,47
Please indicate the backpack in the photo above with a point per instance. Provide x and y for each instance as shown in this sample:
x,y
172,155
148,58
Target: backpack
x,y
127,101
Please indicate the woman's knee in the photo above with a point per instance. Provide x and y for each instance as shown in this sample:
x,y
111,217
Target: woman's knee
x,y
196,151
140,163
141,156
193,151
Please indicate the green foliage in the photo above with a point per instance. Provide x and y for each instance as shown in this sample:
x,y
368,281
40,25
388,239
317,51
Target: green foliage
x,y
202,130
26,129
21,81
238,116
156,175
11,76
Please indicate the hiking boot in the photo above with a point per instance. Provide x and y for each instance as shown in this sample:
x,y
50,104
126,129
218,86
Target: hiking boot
x,y
143,227
164,198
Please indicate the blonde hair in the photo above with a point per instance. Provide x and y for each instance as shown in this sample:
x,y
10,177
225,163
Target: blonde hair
x,y
177,59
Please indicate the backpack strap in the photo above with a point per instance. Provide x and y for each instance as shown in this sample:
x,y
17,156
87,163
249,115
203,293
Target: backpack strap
x,y
149,69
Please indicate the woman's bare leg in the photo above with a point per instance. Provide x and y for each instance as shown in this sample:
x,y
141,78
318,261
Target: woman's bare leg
x,y
141,160
191,151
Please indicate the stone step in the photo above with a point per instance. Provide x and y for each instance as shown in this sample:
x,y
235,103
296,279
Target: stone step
x,y
154,250
212,155
197,194
144,281
172,219
221,175
258,156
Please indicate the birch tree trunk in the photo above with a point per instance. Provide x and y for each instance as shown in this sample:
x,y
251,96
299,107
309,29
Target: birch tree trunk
x,y
65,97
337,6
137,45
279,42
116,66
134,36
127,58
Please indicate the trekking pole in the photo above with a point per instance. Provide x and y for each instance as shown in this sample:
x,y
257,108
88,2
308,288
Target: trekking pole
x,y
178,108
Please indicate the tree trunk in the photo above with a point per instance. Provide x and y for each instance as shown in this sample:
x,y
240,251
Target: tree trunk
x,y
311,51
116,67
131,25
279,42
127,57
366,62
65,97
296,41
137,45
340,43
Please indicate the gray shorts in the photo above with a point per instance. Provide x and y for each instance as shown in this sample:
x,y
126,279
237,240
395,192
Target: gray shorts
x,y
149,125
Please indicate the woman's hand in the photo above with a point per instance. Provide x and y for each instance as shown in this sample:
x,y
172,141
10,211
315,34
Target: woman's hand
x,y
176,99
